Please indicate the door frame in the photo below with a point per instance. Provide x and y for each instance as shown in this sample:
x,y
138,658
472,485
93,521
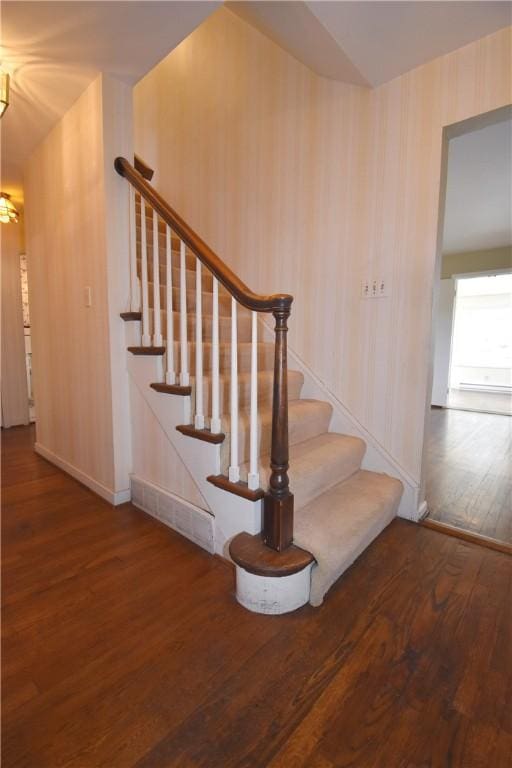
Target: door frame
x,y
439,364
449,132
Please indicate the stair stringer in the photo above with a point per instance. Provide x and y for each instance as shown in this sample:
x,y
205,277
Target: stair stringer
x,y
232,514
376,458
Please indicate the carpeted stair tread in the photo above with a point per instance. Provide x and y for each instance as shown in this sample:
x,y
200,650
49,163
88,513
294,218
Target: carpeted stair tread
x,y
265,356
162,226
206,276
243,326
206,300
190,258
337,526
316,465
306,419
265,389
161,230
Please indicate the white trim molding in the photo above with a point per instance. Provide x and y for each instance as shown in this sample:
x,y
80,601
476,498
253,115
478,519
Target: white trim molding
x,y
422,510
113,497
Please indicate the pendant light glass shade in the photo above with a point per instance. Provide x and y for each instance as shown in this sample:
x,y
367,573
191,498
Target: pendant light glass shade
x,y
4,92
8,212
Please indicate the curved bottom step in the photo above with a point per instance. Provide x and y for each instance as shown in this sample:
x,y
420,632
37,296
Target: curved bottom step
x,y
338,525
251,554
268,581
271,595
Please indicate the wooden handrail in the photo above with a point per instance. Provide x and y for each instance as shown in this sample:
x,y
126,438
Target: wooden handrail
x,y
277,530
279,302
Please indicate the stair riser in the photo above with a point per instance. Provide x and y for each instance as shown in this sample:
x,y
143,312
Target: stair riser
x,y
243,326
190,259
300,427
175,241
206,277
207,301
265,357
265,391
306,486
148,210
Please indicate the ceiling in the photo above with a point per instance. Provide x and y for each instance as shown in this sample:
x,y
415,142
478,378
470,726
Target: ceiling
x,y
55,49
294,26
478,213
373,42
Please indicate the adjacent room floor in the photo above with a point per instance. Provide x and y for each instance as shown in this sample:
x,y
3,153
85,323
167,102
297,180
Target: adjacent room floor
x,y
490,402
469,472
123,645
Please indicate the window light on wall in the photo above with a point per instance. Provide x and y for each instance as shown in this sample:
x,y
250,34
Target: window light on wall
x,y
8,212
4,92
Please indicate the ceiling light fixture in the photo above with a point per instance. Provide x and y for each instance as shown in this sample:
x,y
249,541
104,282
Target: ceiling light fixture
x,y
8,212
4,92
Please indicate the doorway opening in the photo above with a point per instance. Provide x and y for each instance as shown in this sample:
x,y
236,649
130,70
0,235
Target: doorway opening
x,y
27,335
480,370
468,446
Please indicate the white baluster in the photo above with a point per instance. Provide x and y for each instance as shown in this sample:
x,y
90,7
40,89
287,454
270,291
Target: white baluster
x,y
157,326
215,425
234,469
199,418
134,280
146,334
253,479
170,376
184,374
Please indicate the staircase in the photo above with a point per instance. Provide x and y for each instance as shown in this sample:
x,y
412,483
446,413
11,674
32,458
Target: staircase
x,y
273,448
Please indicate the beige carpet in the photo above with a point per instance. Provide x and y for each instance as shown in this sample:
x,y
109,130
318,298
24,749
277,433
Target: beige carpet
x,y
340,524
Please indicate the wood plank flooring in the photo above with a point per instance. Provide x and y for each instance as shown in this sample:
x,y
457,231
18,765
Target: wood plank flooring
x,y
123,646
490,402
469,472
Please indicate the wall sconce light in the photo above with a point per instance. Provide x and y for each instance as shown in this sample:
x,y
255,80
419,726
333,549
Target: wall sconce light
x,y
8,212
4,92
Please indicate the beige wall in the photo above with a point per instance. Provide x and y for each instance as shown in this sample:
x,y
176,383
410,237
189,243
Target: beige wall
x,y
310,186
154,457
69,186
14,391
476,261
407,136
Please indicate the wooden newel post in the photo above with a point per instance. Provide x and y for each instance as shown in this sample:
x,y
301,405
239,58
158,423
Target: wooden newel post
x,y
278,503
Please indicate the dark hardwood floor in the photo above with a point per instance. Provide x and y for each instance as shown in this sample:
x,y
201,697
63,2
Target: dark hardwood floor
x,y
123,645
469,472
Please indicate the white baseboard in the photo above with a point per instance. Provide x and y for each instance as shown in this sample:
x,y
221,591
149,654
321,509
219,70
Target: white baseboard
x,y
113,497
422,510
177,513
121,497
